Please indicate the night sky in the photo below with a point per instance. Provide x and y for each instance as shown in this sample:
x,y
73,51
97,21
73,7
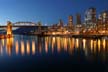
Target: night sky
x,y
47,11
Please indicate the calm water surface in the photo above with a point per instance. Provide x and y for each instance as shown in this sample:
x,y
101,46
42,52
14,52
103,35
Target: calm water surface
x,y
22,53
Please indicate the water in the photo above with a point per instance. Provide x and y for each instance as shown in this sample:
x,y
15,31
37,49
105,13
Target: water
x,y
32,53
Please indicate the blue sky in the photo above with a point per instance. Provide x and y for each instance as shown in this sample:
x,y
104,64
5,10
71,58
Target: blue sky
x,y
47,11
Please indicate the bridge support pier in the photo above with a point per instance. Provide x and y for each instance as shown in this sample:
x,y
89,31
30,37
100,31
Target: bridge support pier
x,y
9,29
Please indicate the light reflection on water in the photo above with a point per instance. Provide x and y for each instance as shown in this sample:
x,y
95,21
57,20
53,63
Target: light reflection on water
x,y
30,45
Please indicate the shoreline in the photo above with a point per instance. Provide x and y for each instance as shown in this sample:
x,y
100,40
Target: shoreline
x,y
66,35
3,36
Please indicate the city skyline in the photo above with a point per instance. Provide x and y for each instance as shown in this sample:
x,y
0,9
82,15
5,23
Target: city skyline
x,y
47,11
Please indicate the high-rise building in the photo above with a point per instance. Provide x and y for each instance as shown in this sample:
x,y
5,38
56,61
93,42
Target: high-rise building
x,y
90,17
102,22
70,21
99,24
60,23
78,19
104,16
78,26
99,20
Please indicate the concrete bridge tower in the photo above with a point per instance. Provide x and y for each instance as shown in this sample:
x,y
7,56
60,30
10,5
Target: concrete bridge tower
x,y
9,29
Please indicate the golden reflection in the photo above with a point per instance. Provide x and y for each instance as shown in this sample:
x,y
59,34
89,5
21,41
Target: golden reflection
x,y
88,46
53,43
28,47
49,41
58,44
71,44
85,47
91,45
65,43
16,47
46,44
84,43
99,43
9,44
2,42
95,42
40,47
22,47
1,49
77,43
104,43
33,47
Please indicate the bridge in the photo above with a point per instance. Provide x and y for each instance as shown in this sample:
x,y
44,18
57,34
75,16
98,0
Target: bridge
x,y
21,24
24,27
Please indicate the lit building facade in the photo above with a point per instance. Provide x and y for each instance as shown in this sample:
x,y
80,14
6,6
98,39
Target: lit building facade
x,y
104,16
90,18
78,26
70,21
102,22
